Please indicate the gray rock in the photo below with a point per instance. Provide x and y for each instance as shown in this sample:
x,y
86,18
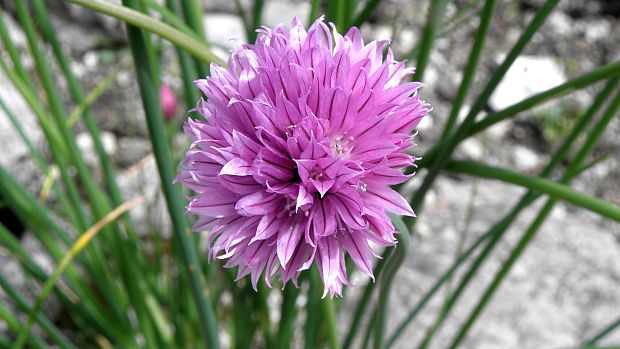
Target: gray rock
x,y
87,147
131,150
224,29
142,180
527,76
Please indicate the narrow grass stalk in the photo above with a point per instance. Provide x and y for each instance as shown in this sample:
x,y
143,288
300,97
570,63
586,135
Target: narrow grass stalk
x,y
262,307
84,313
188,71
98,201
192,10
331,325
288,316
470,69
433,23
445,150
313,311
365,13
257,15
450,24
12,51
172,18
181,233
364,301
314,10
393,264
83,103
499,73
22,134
91,98
15,326
496,232
196,48
553,189
79,245
576,163
48,327
603,333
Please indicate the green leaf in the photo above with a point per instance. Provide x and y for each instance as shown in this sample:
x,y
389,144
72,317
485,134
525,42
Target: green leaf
x,y
553,189
194,47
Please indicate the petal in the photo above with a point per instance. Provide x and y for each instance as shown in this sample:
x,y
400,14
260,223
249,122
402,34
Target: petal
x,y
237,167
386,199
356,244
259,203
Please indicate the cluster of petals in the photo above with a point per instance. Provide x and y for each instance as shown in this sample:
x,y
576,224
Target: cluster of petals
x,y
303,134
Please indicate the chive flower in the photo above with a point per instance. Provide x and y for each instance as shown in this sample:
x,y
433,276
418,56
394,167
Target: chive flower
x,y
168,101
301,135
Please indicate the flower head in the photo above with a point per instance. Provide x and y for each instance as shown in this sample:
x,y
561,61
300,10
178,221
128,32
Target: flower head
x,y
302,136
168,101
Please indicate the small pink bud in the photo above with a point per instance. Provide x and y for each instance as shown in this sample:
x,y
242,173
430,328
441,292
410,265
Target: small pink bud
x,y
168,101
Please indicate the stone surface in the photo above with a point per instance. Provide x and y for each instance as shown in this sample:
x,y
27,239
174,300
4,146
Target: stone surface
x,y
527,76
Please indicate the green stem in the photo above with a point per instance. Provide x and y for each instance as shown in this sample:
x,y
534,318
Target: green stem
x,y
394,263
181,233
196,48
313,311
47,326
314,11
470,70
256,19
433,23
553,189
364,301
329,312
363,16
603,333
593,138
498,229
288,315
445,150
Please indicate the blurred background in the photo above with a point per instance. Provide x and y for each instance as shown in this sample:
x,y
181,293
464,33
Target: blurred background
x,y
565,286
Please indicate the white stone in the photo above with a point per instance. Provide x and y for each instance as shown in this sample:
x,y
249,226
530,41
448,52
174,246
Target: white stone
x,y
560,22
473,148
597,30
224,29
91,60
527,76
11,143
283,11
87,147
525,159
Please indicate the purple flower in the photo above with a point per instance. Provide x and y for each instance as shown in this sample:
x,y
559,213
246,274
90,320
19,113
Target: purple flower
x,y
303,134
168,101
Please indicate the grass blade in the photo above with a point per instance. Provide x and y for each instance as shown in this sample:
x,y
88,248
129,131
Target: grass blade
x,y
603,333
446,149
553,189
497,231
433,23
392,266
185,244
79,245
363,16
288,316
196,48
593,138
329,313
50,329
